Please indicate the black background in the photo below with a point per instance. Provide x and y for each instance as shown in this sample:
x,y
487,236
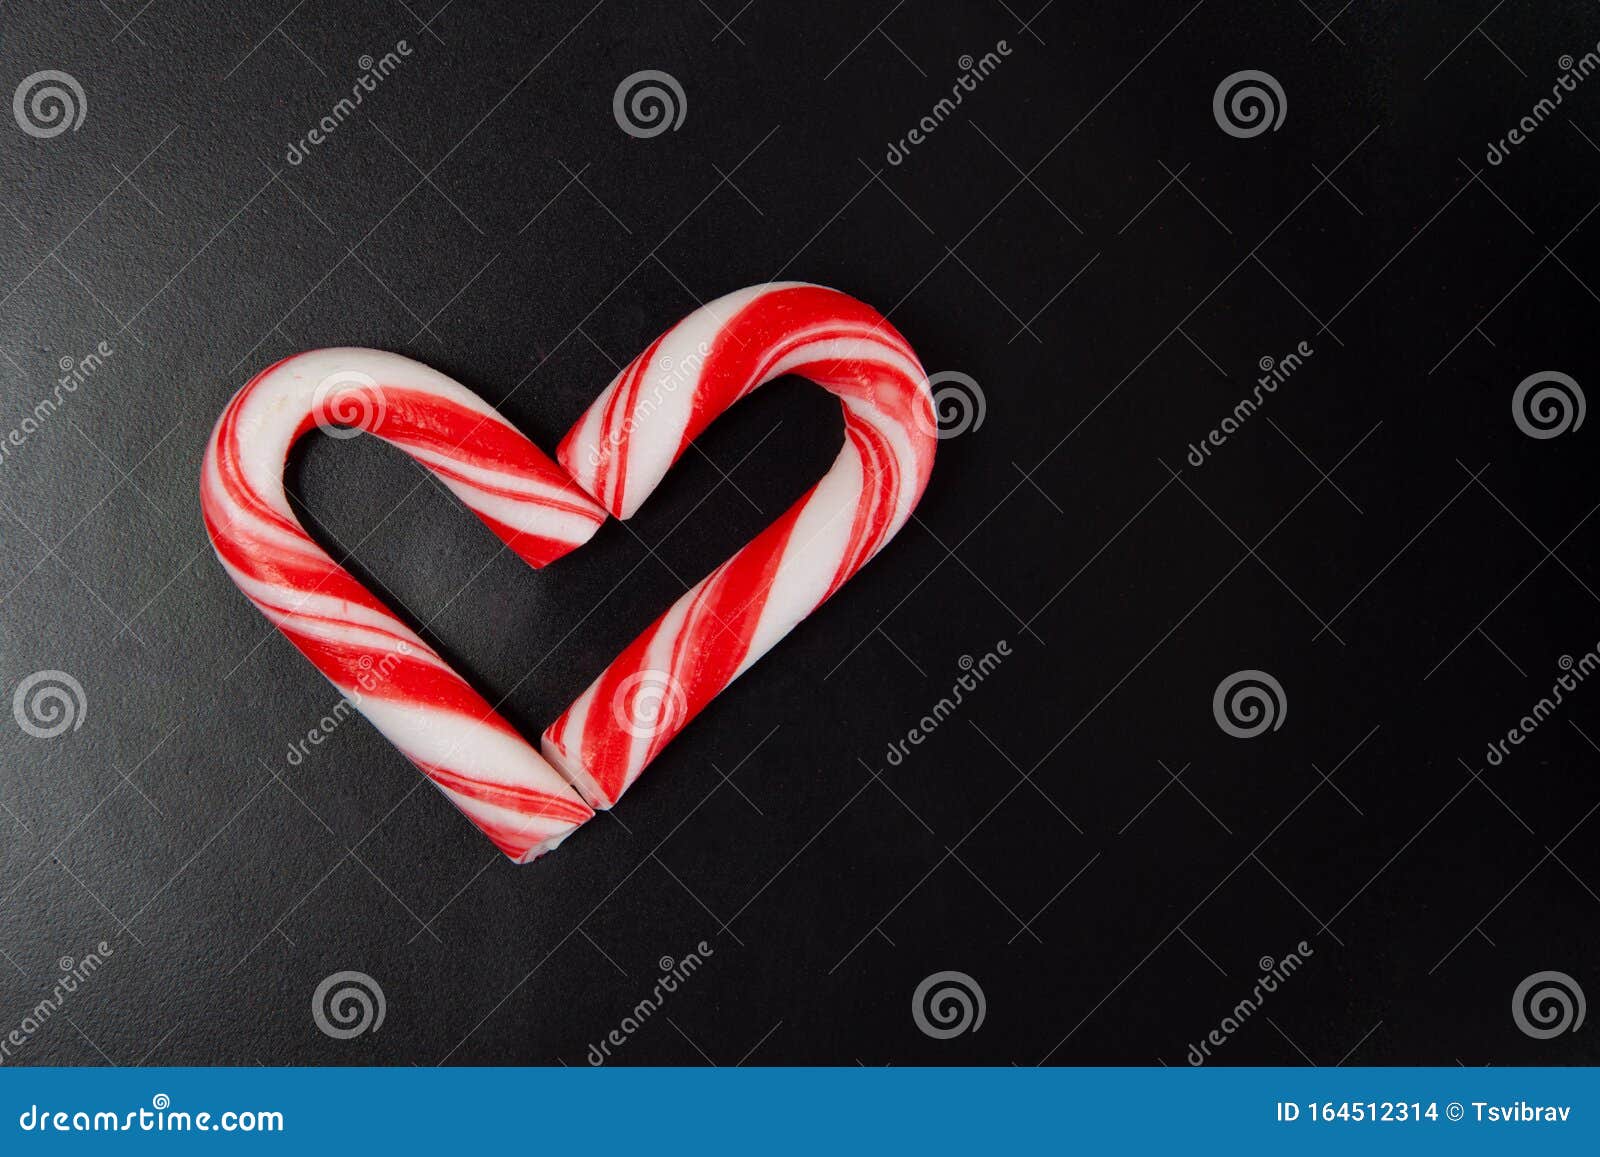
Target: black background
x,y
1084,241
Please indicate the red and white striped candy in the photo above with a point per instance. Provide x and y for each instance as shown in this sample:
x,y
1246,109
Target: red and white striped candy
x,y
633,433
618,452
408,692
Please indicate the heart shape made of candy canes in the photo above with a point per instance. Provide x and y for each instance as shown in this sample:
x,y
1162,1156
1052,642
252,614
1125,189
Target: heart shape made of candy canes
x,y
610,462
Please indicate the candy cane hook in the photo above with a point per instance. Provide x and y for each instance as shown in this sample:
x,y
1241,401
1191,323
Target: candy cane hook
x,y
395,679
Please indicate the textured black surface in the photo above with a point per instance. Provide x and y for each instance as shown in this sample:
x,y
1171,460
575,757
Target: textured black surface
x,y
1083,240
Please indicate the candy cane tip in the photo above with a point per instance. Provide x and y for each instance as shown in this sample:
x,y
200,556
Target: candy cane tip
x,y
572,769
383,669
543,848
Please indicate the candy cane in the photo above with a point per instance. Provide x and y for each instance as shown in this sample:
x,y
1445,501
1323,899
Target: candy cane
x,y
633,433
395,679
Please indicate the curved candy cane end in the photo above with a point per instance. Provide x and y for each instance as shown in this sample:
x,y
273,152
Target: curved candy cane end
x,y
383,669
596,461
543,848
569,762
